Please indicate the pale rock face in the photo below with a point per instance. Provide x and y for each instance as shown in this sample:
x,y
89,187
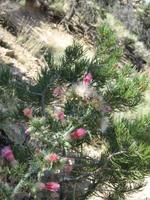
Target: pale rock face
x,y
142,194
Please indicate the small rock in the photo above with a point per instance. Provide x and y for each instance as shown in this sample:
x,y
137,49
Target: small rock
x,y
10,53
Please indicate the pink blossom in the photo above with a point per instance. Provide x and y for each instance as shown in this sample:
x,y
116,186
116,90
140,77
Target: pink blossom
x,y
78,133
27,112
87,79
27,132
58,91
8,154
52,157
60,116
51,186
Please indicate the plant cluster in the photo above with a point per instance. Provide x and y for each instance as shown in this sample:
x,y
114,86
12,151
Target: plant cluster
x,y
144,18
69,107
136,21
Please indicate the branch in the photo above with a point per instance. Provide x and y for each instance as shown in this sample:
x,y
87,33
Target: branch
x,y
116,154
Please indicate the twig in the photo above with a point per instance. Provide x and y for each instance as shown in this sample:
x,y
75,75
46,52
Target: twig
x,y
72,179
116,154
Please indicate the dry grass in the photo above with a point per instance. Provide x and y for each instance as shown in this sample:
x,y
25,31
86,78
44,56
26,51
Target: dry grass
x,y
44,36
23,60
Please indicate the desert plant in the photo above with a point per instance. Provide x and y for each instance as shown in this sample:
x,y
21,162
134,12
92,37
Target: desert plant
x,y
70,107
144,18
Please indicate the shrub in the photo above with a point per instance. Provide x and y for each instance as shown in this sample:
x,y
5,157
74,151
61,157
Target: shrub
x,y
69,108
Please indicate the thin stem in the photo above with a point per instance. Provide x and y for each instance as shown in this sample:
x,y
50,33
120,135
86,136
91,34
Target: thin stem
x,y
116,154
43,104
74,191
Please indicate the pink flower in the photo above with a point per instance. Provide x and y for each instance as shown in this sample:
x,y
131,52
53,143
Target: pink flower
x,y
8,154
27,112
78,133
58,91
60,116
51,186
27,133
58,113
52,157
87,79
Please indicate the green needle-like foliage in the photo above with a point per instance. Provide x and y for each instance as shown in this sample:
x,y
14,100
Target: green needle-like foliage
x,y
71,98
